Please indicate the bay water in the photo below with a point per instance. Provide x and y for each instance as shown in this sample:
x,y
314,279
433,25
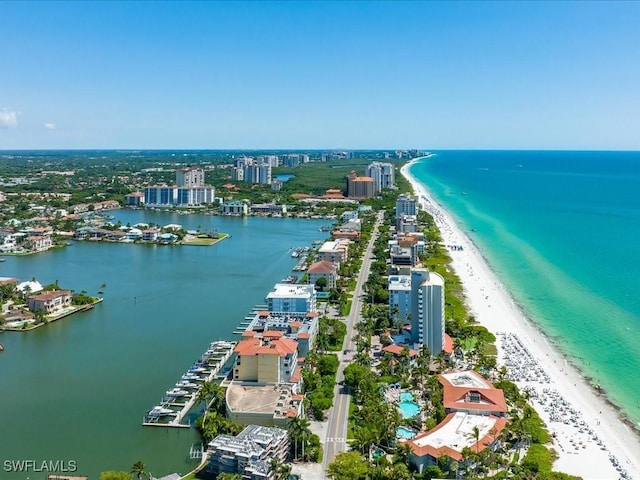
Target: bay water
x,y
77,389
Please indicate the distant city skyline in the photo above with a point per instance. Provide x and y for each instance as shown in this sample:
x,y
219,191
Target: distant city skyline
x,y
320,75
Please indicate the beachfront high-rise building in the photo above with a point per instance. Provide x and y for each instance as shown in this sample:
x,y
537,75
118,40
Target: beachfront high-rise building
x,y
406,205
400,298
427,309
382,174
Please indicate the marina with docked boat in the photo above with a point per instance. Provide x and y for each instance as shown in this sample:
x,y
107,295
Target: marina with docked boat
x,y
163,308
179,400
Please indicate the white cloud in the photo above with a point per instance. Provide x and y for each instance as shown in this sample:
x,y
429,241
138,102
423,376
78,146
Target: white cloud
x,y
8,119
50,126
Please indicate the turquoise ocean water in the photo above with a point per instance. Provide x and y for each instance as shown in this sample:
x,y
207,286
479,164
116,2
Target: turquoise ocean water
x,y
561,230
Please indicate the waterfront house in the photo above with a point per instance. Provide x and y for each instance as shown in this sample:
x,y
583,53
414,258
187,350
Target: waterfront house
x,y
32,286
134,234
39,243
50,302
115,236
8,240
150,234
167,238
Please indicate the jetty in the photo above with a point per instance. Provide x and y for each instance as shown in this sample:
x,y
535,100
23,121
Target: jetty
x,y
178,401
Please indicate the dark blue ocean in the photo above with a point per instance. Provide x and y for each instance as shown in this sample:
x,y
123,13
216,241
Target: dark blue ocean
x,y
562,231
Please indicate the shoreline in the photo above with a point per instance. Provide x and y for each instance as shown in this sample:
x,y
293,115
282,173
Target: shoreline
x,y
602,437
78,309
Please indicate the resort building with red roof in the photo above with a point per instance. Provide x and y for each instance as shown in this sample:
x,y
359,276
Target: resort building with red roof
x,y
473,404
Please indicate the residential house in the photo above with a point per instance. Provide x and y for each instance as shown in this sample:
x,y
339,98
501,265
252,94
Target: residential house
x,y
38,243
50,302
8,240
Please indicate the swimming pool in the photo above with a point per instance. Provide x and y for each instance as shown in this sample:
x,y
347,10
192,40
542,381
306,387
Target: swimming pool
x,y
404,433
406,397
409,409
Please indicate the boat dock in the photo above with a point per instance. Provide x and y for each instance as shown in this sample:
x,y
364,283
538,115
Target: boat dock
x,y
177,402
301,265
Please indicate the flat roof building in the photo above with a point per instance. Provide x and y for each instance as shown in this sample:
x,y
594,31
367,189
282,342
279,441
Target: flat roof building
x,y
249,453
288,298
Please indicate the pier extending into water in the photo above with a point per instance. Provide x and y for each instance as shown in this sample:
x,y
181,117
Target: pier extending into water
x,y
185,393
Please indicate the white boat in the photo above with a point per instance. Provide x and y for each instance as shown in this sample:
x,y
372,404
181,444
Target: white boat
x,y
161,411
190,376
185,384
177,392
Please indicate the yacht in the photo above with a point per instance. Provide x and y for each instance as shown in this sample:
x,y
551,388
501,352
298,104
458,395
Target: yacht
x,y
185,384
177,392
159,410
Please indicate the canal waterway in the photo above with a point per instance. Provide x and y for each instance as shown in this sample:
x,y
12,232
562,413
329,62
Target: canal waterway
x,y
77,389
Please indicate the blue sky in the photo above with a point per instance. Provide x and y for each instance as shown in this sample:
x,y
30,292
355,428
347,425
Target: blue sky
x,y
432,75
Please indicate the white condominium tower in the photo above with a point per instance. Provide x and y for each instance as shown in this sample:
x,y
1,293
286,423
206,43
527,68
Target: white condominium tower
x,y
382,174
427,309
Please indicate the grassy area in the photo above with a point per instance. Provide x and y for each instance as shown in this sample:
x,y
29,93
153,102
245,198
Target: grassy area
x,y
203,241
346,308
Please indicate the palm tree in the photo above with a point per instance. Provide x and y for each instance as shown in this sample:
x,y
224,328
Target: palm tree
x,y
295,431
475,435
280,470
139,469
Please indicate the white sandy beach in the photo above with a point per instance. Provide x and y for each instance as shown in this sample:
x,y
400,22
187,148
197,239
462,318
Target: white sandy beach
x,y
590,439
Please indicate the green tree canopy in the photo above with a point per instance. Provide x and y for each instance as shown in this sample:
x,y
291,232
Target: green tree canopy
x,y
348,466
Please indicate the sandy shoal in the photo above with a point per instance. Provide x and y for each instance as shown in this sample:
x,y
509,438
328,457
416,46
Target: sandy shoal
x,y
591,447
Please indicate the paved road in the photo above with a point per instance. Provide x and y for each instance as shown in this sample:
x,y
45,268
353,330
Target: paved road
x,y
335,442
